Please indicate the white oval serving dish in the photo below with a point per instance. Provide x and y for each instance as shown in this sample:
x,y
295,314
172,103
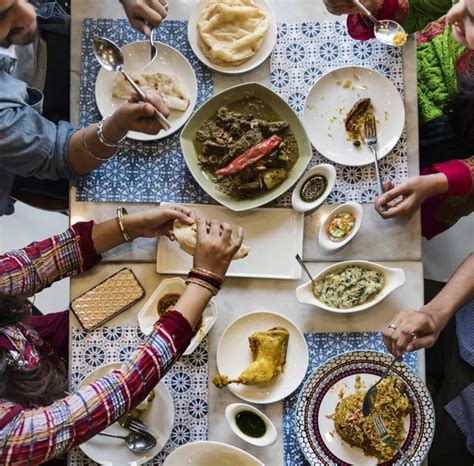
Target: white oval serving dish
x,y
324,169
394,278
149,313
270,436
324,240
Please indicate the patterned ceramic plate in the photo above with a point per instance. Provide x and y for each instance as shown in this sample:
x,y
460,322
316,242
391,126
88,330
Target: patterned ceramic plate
x,y
331,98
250,64
136,56
318,399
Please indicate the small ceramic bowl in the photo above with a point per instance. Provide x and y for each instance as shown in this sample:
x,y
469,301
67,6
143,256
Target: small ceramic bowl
x,y
149,313
270,436
394,278
326,170
324,239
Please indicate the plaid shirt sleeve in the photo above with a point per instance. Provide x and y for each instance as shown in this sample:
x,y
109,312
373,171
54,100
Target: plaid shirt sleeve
x,y
32,436
38,265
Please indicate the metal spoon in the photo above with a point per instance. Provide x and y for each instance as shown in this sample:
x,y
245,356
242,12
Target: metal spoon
x,y
110,56
303,266
384,29
153,51
135,442
369,398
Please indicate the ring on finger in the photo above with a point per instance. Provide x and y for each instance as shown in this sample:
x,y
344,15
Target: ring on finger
x,y
392,326
414,336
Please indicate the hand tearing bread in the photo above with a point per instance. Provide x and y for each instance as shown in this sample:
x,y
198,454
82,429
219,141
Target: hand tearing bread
x,y
186,235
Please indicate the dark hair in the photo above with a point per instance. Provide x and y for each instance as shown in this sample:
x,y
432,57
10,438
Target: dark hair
x,y
451,136
39,386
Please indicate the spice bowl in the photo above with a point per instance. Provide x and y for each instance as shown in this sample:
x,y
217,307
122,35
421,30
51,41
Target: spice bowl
x,y
243,416
313,188
340,226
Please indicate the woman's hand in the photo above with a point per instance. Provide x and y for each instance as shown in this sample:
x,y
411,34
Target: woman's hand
x,y
136,116
341,7
157,222
413,330
406,199
145,13
215,247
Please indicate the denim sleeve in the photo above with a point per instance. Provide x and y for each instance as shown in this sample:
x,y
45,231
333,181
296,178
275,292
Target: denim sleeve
x,y
31,145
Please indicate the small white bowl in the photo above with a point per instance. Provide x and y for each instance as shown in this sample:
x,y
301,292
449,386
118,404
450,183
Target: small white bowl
x,y
270,436
325,241
149,313
394,278
326,170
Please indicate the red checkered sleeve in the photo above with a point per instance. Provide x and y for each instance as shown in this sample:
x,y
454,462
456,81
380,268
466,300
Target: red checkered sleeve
x,y
29,270
32,436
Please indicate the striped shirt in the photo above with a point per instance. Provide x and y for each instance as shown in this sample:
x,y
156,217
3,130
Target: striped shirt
x,y
34,435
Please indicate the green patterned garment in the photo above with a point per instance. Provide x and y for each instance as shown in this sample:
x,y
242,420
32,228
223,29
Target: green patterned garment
x,y
436,59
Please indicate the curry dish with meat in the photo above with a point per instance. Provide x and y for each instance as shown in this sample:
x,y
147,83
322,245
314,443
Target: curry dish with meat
x,y
246,149
391,403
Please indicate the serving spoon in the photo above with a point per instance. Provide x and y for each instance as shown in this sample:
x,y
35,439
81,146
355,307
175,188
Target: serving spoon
x,y
136,442
303,266
384,29
109,55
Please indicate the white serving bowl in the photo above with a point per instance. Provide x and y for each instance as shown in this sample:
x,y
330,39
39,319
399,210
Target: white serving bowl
x,y
324,169
324,240
149,313
270,436
207,453
394,278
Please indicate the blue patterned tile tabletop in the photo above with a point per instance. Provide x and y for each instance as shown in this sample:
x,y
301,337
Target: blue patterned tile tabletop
x,y
141,171
306,51
186,381
321,347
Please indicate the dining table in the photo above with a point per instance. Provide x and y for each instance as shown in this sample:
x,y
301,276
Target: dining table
x,y
395,243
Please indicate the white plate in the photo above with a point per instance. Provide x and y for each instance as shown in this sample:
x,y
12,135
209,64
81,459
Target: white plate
x,y
149,313
136,56
234,355
324,240
265,231
250,64
328,103
210,454
394,278
160,419
318,399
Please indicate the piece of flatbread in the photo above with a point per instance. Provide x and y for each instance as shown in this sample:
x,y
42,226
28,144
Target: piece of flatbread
x,y
231,31
186,235
168,84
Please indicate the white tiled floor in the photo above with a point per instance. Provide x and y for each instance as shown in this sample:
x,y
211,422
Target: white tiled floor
x,y
25,226
442,255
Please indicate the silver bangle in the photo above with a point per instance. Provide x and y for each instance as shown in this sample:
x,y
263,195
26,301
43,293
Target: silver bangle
x,y
103,139
86,147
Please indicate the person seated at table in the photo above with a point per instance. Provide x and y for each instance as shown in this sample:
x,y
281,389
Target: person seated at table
x,y
38,421
38,154
445,96
445,325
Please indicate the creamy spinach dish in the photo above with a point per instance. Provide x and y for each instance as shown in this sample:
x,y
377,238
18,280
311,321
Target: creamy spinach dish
x,y
349,286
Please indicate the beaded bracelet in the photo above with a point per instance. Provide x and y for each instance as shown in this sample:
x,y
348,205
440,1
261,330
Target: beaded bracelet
x,y
121,211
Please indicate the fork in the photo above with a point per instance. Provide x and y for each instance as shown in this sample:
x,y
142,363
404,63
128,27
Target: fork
x,y
153,50
386,438
369,398
370,136
135,425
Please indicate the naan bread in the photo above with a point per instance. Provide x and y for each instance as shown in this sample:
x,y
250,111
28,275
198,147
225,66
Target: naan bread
x,y
168,84
231,31
186,235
